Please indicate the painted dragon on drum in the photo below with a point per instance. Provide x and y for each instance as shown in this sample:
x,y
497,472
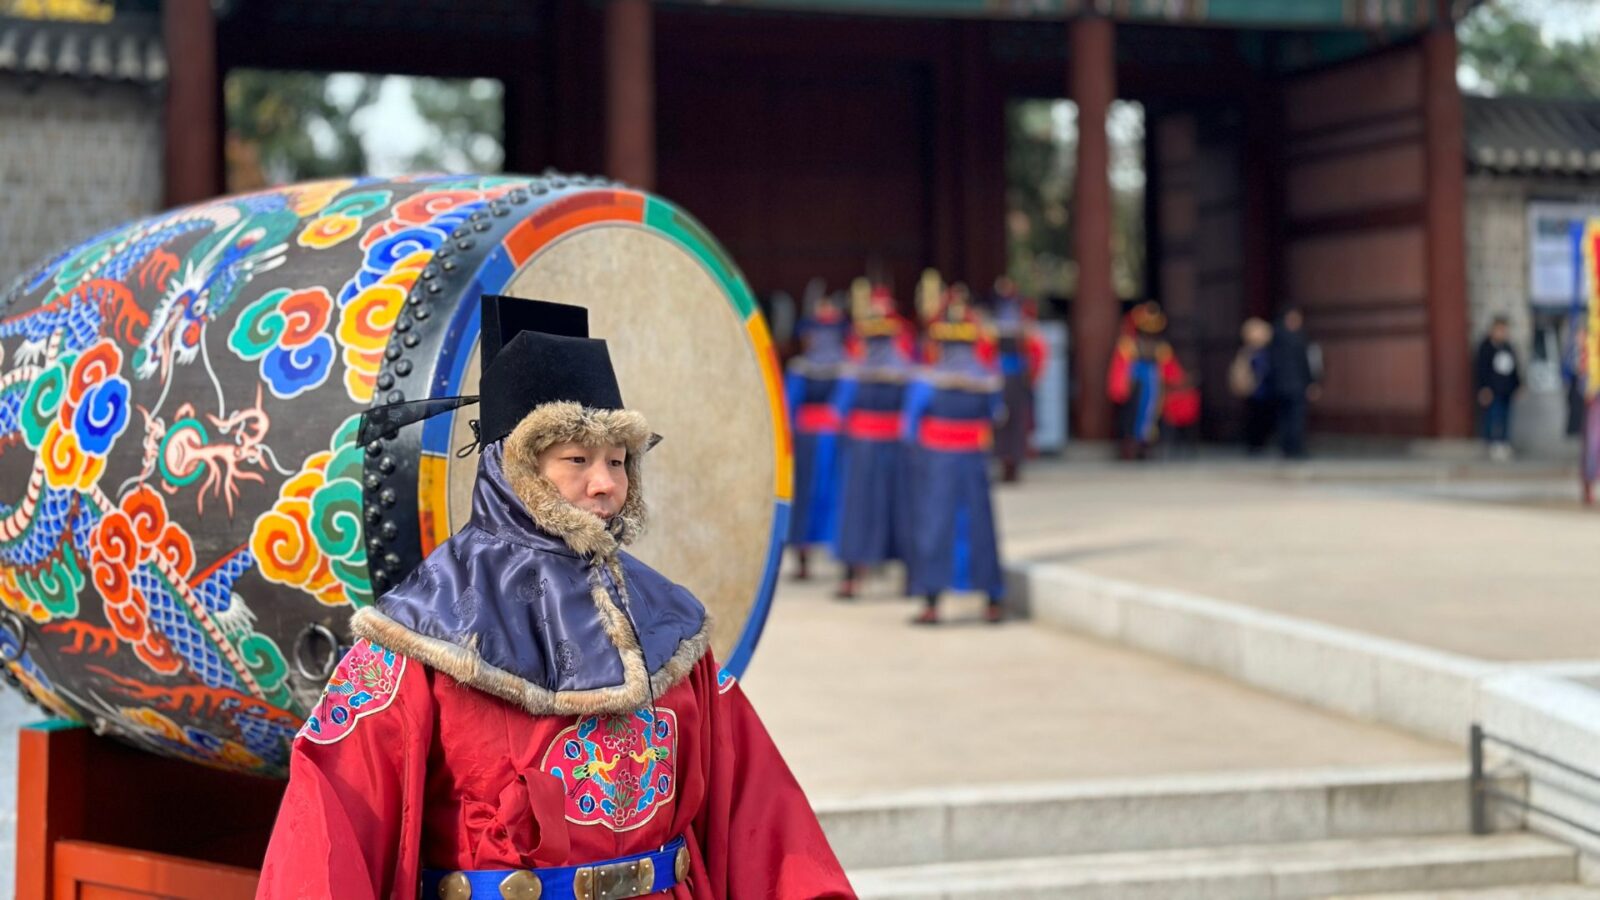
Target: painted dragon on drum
x,y
182,496
159,602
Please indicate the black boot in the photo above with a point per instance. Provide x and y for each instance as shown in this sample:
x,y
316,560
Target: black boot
x,y
994,613
847,587
802,569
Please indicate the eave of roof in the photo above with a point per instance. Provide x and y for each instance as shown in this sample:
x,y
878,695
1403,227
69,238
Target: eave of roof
x,y
128,49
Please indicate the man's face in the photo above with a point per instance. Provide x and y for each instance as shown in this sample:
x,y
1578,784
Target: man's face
x,y
1292,320
1498,332
591,478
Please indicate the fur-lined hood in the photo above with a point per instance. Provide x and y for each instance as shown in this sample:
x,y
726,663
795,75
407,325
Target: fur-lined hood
x,y
534,601
557,423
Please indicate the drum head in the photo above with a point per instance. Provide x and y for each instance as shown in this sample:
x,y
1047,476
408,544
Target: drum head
x,y
684,358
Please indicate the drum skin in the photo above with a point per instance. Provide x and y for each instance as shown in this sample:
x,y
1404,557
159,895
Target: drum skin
x,y
186,518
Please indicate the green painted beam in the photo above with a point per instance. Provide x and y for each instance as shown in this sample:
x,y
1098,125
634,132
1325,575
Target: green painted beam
x,y
1324,14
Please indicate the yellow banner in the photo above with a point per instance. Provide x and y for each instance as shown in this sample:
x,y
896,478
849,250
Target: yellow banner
x,y
1589,351
97,12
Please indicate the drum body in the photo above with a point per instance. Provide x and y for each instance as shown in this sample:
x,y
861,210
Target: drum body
x,y
186,517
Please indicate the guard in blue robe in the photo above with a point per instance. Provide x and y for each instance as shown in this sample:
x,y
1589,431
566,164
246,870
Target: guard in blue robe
x,y
816,421
874,495
951,408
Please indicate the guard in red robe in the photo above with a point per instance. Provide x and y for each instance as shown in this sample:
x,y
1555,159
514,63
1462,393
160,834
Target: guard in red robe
x,y
1021,359
533,712
1143,370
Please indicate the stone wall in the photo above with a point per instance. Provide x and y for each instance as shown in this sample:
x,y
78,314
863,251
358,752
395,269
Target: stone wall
x,y
1497,284
1497,244
1497,256
75,158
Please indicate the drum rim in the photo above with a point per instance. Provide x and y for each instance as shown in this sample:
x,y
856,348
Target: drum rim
x,y
508,244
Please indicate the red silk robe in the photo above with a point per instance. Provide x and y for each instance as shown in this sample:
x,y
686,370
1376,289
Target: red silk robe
x,y
402,768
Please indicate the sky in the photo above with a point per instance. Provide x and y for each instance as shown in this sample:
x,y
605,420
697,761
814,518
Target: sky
x,y
1563,19
391,130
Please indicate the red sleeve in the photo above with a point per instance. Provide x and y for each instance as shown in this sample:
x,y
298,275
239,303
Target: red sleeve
x,y
757,830
1119,386
1036,350
351,820
1172,373
988,351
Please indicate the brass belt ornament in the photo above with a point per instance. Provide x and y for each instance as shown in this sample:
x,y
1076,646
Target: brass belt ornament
x,y
522,885
615,881
455,886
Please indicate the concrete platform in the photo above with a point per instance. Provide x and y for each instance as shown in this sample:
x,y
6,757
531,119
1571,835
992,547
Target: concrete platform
x,y
1484,563
1254,872
1512,892
1154,812
860,702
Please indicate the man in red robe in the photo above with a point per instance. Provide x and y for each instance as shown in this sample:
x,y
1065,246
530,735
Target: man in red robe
x,y
533,712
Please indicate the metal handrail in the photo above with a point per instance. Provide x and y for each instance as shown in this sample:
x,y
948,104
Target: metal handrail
x,y
1482,791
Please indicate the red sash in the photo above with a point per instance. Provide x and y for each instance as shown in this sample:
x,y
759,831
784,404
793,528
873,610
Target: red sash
x,y
871,425
955,435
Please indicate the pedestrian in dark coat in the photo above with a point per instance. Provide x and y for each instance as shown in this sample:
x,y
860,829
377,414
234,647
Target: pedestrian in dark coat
x,y
1294,379
1498,375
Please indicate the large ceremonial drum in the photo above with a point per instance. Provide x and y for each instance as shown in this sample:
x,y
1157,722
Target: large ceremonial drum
x,y
186,517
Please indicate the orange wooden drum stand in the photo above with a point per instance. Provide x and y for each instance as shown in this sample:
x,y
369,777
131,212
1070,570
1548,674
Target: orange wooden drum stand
x,y
97,820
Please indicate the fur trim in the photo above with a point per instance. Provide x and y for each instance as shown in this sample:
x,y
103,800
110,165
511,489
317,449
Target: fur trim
x,y
802,366
548,425
463,663
556,423
981,384
885,375
684,658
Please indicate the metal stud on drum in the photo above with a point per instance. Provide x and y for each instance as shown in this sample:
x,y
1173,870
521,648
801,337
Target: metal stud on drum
x,y
186,518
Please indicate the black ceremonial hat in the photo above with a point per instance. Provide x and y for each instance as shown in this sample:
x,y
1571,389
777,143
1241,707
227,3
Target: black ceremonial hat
x,y
535,353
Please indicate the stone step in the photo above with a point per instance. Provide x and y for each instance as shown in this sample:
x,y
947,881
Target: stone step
x,y
1415,688
1156,813
1512,892
1256,872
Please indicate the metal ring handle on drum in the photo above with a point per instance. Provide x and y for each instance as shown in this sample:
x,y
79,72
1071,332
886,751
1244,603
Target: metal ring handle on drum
x,y
316,630
13,625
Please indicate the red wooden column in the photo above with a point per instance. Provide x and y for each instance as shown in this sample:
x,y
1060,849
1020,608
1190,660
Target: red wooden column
x,y
193,126
1094,309
1446,214
630,93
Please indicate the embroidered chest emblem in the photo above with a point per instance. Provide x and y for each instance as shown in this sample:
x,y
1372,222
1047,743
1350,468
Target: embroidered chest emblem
x,y
617,770
366,682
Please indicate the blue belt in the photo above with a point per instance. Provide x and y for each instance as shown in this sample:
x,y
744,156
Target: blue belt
x,y
626,876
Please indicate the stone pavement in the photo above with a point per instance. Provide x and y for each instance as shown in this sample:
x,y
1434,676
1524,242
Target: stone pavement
x,y
1487,563
859,701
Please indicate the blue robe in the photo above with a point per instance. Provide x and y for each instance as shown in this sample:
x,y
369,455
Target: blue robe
x,y
874,494
815,418
950,411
